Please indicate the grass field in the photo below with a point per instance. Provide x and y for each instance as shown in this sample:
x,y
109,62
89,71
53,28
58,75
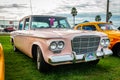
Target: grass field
x,y
20,67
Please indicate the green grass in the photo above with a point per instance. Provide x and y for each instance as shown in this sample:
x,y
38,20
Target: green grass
x,y
20,67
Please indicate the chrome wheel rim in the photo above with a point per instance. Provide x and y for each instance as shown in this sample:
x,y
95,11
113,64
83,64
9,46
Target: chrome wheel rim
x,y
38,59
14,47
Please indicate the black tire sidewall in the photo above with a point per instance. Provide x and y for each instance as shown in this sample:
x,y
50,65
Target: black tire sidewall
x,y
43,65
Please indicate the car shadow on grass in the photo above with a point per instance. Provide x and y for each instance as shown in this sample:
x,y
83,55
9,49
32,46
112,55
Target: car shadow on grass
x,y
78,68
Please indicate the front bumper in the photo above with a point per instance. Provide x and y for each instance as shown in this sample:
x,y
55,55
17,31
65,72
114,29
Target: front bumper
x,y
73,58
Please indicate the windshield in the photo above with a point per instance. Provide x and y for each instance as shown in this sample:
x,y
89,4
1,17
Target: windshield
x,y
107,27
49,22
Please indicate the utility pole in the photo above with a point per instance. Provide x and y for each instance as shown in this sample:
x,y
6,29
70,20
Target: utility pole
x,y
107,11
31,7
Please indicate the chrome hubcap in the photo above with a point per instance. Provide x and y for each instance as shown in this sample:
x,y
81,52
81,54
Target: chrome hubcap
x,y
38,58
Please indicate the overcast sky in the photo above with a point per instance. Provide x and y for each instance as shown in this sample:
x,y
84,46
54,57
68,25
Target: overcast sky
x,y
19,8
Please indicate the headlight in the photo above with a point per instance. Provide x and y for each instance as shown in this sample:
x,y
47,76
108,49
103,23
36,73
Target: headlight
x,y
53,45
102,42
60,45
105,42
56,46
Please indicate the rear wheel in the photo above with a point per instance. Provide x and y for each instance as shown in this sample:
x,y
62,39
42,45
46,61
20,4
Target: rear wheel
x,y
42,66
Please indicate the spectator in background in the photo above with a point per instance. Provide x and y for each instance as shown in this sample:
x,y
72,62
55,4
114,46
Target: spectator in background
x,y
110,22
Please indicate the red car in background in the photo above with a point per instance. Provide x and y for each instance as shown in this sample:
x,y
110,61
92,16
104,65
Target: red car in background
x,y
9,29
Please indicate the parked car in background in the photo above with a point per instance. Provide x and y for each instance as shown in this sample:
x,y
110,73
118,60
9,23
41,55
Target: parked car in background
x,y
108,28
9,29
1,63
50,41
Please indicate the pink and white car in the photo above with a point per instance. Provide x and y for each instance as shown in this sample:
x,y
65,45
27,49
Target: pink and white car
x,y
50,41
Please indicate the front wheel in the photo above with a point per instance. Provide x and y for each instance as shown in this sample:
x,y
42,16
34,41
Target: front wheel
x,y
118,52
14,48
42,66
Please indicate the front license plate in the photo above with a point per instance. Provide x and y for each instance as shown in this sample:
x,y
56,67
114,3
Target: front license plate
x,y
90,57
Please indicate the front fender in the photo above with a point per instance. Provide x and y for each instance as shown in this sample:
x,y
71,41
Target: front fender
x,y
43,48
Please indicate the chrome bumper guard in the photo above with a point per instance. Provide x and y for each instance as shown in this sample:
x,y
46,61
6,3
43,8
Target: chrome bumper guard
x,y
68,58
107,52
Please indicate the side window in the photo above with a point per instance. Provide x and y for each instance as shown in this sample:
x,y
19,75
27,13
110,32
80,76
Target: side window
x,y
20,25
26,26
89,27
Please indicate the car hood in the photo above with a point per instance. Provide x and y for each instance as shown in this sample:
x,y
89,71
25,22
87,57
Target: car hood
x,y
62,33
113,32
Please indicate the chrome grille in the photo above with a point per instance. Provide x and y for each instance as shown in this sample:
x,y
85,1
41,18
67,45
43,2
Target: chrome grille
x,y
85,44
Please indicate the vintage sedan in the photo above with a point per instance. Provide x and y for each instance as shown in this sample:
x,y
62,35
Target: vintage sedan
x,y
50,41
1,63
108,28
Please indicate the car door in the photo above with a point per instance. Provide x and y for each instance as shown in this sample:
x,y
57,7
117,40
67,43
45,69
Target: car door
x,y
21,38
